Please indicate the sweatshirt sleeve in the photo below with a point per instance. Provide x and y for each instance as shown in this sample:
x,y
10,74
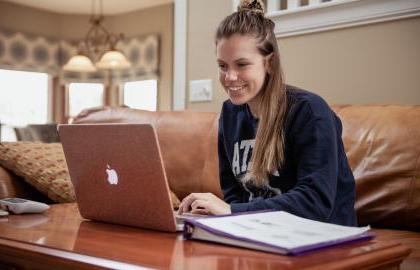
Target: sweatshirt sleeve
x,y
313,139
230,187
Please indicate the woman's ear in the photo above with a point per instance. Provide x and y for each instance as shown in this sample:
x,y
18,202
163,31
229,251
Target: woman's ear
x,y
268,60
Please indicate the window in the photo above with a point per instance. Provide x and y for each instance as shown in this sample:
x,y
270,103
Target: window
x,y
141,95
24,100
84,95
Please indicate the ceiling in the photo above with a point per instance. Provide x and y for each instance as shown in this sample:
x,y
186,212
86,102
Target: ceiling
x,y
110,7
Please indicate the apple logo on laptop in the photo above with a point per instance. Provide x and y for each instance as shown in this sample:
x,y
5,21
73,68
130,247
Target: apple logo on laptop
x,y
112,175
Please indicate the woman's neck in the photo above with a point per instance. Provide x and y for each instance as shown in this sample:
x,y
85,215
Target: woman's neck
x,y
254,108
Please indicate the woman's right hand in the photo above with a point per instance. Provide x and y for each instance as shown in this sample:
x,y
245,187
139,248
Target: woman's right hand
x,y
204,204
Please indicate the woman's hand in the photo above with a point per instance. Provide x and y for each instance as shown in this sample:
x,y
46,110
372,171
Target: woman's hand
x,y
204,204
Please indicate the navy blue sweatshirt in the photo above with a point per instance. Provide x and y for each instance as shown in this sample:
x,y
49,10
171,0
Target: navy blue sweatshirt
x,y
315,180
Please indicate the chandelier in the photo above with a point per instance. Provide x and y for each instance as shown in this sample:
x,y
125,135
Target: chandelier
x,y
99,47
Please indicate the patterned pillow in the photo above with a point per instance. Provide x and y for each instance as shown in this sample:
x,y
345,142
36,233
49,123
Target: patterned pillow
x,y
44,167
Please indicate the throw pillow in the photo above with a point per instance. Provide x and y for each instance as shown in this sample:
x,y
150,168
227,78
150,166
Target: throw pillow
x,y
44,167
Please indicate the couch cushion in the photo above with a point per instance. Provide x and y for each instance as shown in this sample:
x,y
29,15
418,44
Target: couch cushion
x,y
189,151
407,238
43,166
188,142
383,149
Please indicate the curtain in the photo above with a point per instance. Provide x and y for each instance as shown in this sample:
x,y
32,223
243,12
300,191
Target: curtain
x,y
28,52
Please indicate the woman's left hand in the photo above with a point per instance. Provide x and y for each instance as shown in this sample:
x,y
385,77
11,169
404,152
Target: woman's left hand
x,y
204,204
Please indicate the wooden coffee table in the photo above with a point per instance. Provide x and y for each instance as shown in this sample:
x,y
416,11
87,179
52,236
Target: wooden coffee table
x,y
61,239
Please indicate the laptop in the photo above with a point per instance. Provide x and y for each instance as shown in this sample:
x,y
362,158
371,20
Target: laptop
x,y
118,175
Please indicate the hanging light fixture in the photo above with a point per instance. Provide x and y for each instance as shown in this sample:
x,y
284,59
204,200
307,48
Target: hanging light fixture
x,y
79,63
100,45
113,59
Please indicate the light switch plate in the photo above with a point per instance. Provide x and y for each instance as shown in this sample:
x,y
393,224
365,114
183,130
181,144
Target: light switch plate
x,y
201,90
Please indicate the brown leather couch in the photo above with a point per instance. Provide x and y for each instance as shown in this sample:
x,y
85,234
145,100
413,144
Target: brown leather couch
x,y
382,144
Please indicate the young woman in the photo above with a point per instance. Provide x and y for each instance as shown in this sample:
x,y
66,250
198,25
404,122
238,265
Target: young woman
x,y
280,147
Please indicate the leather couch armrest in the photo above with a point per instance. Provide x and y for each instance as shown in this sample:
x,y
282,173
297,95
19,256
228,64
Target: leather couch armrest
x,y
12,185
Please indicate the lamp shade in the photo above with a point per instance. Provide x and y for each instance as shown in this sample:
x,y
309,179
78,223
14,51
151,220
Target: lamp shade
x,y
113,60
79,63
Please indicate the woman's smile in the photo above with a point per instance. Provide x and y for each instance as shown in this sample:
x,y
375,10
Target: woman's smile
x,y
235,90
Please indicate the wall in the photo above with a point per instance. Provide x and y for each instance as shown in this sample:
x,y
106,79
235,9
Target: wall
x,y
24,19
201,52
377,63
19,18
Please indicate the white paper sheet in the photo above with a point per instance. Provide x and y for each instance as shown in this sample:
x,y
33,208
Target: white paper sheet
x,y
281,229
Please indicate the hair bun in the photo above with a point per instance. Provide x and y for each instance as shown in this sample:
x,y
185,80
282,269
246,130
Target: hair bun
x,y
251,5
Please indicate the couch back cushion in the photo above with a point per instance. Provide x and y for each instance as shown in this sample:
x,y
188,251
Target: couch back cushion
x,y
382,144
188,142
383,148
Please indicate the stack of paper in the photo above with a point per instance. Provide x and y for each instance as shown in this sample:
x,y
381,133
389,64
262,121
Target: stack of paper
x,y
278,232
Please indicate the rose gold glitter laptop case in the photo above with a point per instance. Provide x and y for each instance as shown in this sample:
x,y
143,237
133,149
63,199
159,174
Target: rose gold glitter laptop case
x,y
118,174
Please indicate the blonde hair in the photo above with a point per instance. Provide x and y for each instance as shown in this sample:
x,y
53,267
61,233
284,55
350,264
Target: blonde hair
x,y
268,152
